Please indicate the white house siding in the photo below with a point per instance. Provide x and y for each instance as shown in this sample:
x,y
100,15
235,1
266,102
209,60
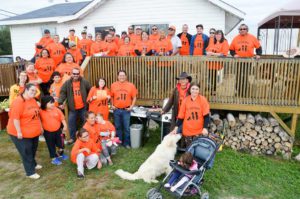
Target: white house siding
x,y
121,14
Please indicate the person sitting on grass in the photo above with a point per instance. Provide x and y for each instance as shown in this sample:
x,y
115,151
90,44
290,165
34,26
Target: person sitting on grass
x,y
85,153
107,133
187,162
52,118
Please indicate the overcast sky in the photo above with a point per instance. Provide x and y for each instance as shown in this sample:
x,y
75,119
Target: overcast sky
x,y
255,10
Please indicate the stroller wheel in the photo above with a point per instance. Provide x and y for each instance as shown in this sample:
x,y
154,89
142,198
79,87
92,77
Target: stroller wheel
x,y
156,195
151,192
205,195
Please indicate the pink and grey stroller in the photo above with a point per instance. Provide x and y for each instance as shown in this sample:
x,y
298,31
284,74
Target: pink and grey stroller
x,y
203,150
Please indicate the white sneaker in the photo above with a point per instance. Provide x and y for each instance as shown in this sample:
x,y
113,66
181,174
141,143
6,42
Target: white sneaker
x,y
34,176
38,166
167,185
173,188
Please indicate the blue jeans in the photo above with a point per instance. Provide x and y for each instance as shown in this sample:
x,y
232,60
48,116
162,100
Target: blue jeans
x,y
72,121
122,123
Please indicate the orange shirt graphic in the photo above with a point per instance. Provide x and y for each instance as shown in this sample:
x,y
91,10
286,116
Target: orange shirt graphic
x,y
80,145
112,48
198,45
100,105
66,68
27,111
163,46
45,68
57,52
126,50
122,94
185,48
98,47
192,112
51,119
78,101
85,45
144,46
106,127
244,45
55,90
76,54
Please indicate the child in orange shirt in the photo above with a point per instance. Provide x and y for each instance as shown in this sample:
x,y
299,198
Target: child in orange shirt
x,y
52,118
107,132
85,153
56,86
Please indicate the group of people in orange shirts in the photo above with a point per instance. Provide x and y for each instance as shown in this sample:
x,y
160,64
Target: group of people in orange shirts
x,y
57,74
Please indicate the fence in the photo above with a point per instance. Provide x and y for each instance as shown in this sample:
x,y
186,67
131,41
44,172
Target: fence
x,y
7,77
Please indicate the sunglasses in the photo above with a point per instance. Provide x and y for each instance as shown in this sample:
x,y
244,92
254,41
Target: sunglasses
x,y
171,29
212,33
243,29
76,73
154,28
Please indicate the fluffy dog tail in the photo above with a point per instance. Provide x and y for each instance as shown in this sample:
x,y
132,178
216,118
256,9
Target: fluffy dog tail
x,y
125,175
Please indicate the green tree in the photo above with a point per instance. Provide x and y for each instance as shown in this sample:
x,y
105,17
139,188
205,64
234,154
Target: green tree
x,y
5,41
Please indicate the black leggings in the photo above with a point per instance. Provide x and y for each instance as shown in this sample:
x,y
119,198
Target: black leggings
x,y
53,140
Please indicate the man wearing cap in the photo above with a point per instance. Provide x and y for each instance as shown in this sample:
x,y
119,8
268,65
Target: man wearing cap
x,y
137,37
72,36
112,31
176,42
44,42
56,50
175,100
199,42
130,31
185,38
85,44
75,52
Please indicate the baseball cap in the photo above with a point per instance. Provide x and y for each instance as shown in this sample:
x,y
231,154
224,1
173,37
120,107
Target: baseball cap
x,y
172,27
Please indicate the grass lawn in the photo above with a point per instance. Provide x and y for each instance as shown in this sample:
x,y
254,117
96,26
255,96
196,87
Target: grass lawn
x,y
234,175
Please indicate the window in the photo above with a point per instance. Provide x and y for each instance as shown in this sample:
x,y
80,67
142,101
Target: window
x,y
51,29
104,30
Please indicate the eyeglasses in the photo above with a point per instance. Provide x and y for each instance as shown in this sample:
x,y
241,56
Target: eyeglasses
x,y
76,73
154,28
212,33
243,29
171,29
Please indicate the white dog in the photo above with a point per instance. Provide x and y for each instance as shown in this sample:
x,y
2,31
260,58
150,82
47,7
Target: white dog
x,y
157,163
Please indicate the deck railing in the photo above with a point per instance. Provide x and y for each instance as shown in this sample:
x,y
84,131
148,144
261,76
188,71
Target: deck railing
x,y
270,82
8,77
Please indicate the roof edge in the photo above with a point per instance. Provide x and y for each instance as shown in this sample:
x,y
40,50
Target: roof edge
x,y
229,8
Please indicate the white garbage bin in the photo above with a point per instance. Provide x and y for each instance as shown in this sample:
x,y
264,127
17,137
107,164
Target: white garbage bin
x,y
136,135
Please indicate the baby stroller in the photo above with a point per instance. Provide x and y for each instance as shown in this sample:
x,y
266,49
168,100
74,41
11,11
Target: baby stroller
x,y
203,150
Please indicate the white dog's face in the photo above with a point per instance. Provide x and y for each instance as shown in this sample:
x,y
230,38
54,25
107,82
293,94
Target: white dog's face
x,y
170,140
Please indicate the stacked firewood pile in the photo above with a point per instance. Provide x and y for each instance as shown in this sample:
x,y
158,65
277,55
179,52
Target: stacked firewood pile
x,y
253,134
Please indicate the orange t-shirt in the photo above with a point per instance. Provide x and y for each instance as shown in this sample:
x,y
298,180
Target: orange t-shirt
x,y
122,94
57,52
134,39
98,47
106,127
211,40
185,48
27,111
51,119
198,45
55,90
244,45
76,54
44,41
80,145
153,38
85,45
75,39
145,46
126,50
112,48
100,105
78,101
33,77
163,46
45,68
217,48
91,130
66,68
182,95
192,112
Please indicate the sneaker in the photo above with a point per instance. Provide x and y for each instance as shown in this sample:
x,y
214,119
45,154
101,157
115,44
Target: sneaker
x,y
56,161
80,176
63,157
34,176
167,185
37,167
173,189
